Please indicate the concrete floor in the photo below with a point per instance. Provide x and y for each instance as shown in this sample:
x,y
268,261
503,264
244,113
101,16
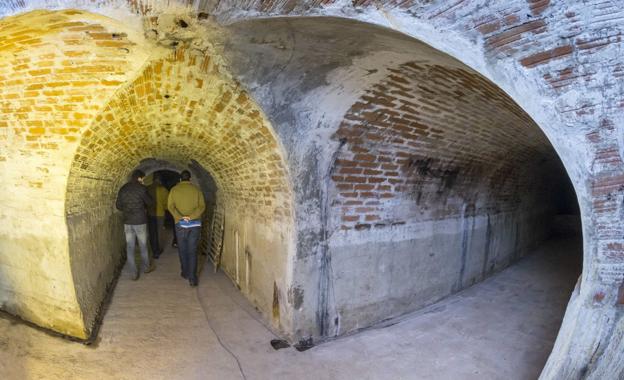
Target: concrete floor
x,y
160,328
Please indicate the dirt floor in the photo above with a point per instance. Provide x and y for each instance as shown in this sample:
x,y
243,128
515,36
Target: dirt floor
x,y
160,328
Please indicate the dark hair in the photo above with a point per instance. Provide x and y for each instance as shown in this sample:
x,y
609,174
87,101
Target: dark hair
x,y
137,174
185,175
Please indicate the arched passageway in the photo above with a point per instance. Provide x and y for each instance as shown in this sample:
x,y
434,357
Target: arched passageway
x,y
430,177
182,110
395,161
445,171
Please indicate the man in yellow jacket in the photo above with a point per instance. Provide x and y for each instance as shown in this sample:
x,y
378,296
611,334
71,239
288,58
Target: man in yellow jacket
x,y
156,215
186,204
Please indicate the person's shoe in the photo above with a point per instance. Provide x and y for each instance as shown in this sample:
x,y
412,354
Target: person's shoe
x,y
151,268
183,276
193,283
156,257
135,277
174,245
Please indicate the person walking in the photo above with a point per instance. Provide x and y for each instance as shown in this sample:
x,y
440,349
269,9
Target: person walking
x,y
133,200
156,213
186,204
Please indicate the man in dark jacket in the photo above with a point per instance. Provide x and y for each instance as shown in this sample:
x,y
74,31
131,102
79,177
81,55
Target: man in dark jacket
x,y
133,200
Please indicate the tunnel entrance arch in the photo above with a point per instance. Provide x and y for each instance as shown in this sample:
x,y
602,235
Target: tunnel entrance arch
x,y
182,107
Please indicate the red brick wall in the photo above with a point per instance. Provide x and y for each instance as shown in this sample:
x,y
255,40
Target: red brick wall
x,y
432,135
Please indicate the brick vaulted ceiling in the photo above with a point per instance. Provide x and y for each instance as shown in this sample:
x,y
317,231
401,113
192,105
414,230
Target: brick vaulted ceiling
x,y
179,108
416,134
84,102
429,134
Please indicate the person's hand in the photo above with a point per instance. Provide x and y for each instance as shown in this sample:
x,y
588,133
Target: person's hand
x,y
186,218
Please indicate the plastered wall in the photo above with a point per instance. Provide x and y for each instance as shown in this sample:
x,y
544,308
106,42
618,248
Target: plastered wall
x,y
56,69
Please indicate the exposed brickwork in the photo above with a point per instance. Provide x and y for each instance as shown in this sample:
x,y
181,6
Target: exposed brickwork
x,y
430,133
538,6
546,56
44,94
58,74
56,69
573,57
181,108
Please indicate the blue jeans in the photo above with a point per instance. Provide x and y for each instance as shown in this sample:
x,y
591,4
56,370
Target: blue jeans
x,y
188,238
133,233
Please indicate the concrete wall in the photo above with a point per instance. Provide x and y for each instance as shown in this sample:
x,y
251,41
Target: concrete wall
x,y
383,274
261,246
424,264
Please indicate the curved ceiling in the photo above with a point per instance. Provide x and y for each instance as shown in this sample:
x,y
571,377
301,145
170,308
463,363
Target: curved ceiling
x,y
409,125
180,109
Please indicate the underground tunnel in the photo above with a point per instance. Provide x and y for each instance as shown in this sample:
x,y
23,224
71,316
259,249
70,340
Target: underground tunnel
x,y
430,178
359,174
167,113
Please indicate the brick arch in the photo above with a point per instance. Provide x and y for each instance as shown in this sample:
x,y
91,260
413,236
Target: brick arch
x,y
431,145
181,108
46,102
174,110
513,67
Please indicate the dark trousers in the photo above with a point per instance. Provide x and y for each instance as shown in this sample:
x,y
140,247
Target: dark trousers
x,y
188,239
155,225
